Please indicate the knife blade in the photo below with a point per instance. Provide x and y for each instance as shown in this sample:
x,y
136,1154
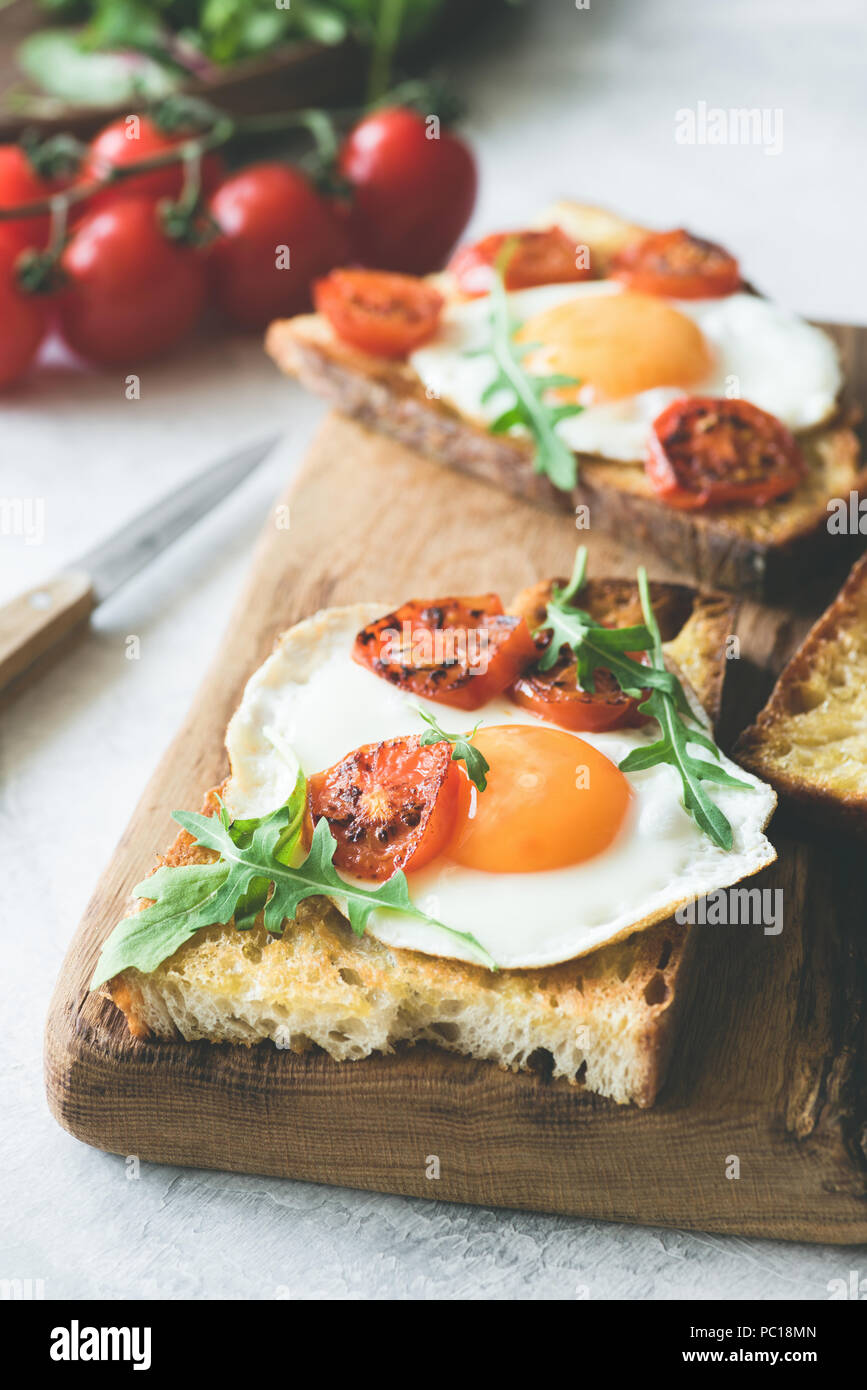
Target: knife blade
x,y
35,621
115,560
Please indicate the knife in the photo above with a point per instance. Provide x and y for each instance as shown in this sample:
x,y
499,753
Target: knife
x,y
37,620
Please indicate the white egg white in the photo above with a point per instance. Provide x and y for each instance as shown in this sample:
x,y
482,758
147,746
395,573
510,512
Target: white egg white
x,y
761,352
310,704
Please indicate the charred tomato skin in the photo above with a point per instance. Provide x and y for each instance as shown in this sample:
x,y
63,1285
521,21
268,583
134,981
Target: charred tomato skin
x,y
424,649
389,805
707,452
677,265
378,312
556,696
545,257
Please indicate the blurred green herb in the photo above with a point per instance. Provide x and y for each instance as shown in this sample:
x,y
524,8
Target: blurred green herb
x,y
530,407
670,709
184,37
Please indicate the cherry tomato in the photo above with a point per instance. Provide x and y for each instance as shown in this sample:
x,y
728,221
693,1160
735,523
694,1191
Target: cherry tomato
x,y
277,235
130,292
555,695
539,258
129,141
706,452
458,651
677,265
20,184
23,319
389,805
385,314
414,190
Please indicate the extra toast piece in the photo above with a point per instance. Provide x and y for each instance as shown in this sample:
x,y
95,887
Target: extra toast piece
x,y
606,1019
810,740
759,550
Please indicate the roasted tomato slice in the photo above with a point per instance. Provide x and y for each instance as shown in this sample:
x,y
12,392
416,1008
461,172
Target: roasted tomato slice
x,y
458,651
707,452
539,258
555,695
677,265
390,805
387,315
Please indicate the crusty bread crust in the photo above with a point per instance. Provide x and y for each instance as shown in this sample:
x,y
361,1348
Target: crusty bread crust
x,y
810,740
761,550
606,1020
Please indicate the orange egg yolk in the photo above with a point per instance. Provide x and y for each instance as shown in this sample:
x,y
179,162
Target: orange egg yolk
x,y
551,800
616,345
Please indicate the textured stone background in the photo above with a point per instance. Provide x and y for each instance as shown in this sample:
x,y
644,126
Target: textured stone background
x,y
562,101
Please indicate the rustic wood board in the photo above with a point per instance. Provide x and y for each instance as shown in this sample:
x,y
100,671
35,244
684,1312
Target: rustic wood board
x,y
769,1064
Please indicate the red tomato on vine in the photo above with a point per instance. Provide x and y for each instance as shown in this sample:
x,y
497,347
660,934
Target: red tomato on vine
x,y
21,183
23,318
129,291
129,141
414,187
277,234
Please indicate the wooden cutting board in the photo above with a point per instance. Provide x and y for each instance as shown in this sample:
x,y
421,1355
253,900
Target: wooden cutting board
x,y
769,1065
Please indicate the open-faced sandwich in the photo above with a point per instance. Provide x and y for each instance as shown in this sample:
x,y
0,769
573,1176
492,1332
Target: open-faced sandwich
x,y
590,363
454,823
810,740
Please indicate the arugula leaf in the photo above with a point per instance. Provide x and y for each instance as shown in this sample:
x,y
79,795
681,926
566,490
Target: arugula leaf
x,y
189,897
667,708
477,764
576,582
185,899
596,646
315,877
251,904
553,456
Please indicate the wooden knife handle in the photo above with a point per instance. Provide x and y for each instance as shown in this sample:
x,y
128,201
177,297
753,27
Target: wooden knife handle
x,y
35,621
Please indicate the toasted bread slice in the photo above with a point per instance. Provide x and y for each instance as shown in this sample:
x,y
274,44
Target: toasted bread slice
x,y
760,550
606,1020
810,740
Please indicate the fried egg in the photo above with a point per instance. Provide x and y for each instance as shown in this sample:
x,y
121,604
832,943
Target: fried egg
x,y
633,354
560,854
